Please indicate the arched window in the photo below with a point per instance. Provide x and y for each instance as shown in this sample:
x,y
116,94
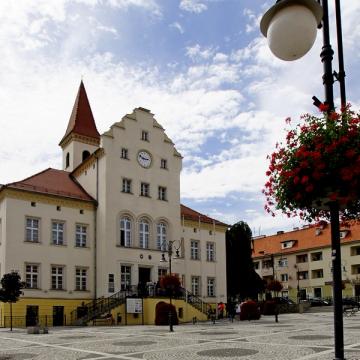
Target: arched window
x,y
161,231
144,233
125,231
67,161
85,154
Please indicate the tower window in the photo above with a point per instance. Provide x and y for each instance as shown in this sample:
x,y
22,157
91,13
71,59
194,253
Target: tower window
x,y
85,155
67,162
144,135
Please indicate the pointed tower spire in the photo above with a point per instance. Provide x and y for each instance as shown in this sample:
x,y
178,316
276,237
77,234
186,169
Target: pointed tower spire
x,y
81,138
81,121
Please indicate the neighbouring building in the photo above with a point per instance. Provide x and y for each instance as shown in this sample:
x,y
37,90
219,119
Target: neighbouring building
x,y
301,260
101,224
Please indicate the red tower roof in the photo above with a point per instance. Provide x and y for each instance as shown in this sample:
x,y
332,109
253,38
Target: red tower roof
x,y
81,120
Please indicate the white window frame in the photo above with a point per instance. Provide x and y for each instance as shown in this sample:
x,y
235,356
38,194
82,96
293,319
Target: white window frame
x,y
283,262
195,285
32,229
145,189
57,277
57,232
32,276
81,235
144,233
162,193
125,277
81,274
125,153
126,185
161,236
125,231
284,277
195,250
162,272
210,251
111,283
211,287
163,164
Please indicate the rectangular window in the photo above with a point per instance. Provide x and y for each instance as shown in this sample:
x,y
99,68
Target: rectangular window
x,y
284,277
267,264
210,287
355,269
111,286
256,265
301,258
163,164
145,189
32,229
124,153
80,235
125,277
303,275
57,233
126,186
210,251
194,250
195,285
317,256
57,278
283,262
317,274
161,273
355,250
144,135
162,193
80,279
32,276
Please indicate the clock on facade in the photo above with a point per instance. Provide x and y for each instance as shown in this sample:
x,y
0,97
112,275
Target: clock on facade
x,y
144,159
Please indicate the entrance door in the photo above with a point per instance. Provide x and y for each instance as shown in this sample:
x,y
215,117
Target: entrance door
x,y
317,292
32,315
302,294
58,315
144,277
357,290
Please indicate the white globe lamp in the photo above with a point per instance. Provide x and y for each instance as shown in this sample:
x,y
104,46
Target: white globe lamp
x,y
290,27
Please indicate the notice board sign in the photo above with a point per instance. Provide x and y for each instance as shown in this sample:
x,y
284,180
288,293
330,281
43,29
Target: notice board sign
x,y
134,306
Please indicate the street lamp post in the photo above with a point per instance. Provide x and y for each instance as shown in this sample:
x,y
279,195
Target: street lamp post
x,y
290,26
168,247
272,261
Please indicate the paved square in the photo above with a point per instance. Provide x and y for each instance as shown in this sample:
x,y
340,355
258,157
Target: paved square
x,y
296,336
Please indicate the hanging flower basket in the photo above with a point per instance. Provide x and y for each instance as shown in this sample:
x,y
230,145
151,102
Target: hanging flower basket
x,y
170,283
318,164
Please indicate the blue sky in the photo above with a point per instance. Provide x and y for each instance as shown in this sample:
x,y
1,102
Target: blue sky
x,y
201,66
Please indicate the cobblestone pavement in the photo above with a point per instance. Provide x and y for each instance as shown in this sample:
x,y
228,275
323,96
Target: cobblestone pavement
x,y
296,336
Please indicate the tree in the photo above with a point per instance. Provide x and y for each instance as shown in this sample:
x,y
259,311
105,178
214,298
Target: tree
x,y
10,291
242,279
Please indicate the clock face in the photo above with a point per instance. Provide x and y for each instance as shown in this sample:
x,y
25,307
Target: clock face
x,y
144,159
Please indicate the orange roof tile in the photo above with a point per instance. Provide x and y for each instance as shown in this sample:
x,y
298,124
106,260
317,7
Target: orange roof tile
x,y
52,182
306,238
190,214
82,121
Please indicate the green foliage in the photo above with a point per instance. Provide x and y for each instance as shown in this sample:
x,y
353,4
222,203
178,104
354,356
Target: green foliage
x,y
11,287
242,279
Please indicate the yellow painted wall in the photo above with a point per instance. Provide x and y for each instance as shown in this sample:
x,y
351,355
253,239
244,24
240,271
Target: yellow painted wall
x,y
149,313
45,310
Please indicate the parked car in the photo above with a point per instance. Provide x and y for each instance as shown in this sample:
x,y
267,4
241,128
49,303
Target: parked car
x,y
319,302
351,303
284,300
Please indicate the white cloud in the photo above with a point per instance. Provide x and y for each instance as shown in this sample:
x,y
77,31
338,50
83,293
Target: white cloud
x,y
194,6
178,27
196,52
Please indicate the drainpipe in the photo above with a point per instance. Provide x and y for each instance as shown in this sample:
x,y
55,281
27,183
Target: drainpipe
x,y
95,229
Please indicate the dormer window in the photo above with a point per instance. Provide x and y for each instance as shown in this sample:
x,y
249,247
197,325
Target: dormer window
x,y
288,244
344,233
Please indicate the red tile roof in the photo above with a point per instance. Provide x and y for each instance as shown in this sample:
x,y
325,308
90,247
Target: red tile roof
x,y
306,238
52,182
82,120
190,214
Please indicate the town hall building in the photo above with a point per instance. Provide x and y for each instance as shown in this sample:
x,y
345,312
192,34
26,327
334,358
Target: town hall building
x,y
103,224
